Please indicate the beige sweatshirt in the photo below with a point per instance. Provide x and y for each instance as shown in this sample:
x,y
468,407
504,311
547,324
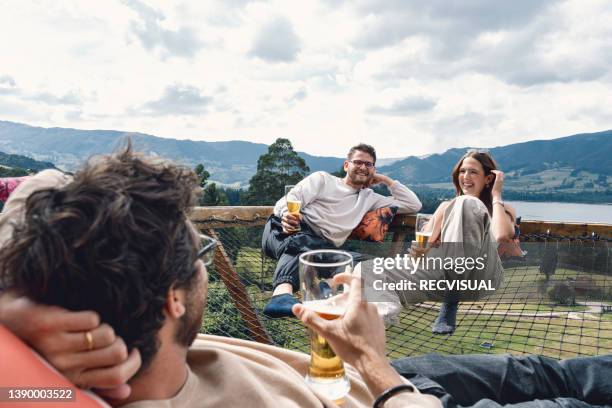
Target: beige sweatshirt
x,y
333,209
226,372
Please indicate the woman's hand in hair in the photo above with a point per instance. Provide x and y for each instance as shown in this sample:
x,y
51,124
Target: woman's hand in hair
x,y
498,184
502,220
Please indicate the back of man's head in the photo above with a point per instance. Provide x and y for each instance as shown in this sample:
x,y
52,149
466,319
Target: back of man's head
x,y
113,240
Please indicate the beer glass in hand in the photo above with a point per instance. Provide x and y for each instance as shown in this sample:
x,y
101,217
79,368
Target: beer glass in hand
x,y
293,205
423,229
317,269
422,233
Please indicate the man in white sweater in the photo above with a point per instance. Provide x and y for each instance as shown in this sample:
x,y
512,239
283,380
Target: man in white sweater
x,y
331,208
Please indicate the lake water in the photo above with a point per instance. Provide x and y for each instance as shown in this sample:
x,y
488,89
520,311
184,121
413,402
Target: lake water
x,y
571,212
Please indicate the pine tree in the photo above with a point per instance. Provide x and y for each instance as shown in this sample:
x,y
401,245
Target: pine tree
x,y
340,173
213,196
279,167
202,174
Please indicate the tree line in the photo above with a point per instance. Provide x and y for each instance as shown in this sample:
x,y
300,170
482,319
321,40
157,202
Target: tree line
x,y
279,167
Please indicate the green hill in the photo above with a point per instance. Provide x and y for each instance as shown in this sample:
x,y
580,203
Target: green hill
x,y
16,160
568,165
15,165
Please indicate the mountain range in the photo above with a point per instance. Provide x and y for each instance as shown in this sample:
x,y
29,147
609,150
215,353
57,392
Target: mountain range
x,y
232,162
589,152
571,164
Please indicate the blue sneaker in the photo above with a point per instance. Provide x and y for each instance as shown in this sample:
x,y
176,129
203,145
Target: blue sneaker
x,y
325,289
446,320
280,306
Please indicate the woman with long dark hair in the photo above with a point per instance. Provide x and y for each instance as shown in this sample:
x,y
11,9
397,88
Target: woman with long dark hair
x,y
476,174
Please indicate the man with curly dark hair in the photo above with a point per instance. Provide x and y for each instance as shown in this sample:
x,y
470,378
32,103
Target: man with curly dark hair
x,y
116,241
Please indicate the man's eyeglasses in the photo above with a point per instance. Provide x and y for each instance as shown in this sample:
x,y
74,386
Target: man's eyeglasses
x,y
207,249
360,163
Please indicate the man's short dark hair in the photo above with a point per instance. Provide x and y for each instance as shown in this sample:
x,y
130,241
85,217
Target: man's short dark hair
x,y
362,147
113,240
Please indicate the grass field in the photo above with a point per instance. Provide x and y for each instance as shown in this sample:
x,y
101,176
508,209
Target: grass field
x,y
519,319
554,337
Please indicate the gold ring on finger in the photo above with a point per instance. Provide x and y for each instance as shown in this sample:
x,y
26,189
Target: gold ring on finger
x,y
89,340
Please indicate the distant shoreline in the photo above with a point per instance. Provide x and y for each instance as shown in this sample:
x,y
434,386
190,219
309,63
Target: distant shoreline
x,y
562,202
563,211
586,197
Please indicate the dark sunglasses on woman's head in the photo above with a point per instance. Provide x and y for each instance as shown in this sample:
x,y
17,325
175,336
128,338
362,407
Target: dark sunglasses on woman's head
x,y
207,249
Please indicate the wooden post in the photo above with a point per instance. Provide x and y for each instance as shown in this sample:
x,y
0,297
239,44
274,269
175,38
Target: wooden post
x,y
237,291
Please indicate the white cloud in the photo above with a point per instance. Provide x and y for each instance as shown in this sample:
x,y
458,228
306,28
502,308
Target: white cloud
x,y
299,95
178,100
69,98
411,77
182,42
276,41
405,106
7,81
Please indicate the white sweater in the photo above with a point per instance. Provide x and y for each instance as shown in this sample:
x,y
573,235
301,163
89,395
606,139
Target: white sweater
x,y
333,209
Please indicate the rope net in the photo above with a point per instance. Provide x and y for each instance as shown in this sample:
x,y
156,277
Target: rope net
x,y
555,301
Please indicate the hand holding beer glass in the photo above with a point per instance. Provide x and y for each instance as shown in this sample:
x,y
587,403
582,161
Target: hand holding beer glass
x,y
293,205
422,233
423,228
319,294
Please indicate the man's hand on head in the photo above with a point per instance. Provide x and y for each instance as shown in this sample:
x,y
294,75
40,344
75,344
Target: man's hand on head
x,y
380,178
86,352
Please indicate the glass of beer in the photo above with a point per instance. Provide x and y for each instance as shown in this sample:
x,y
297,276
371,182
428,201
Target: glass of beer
x,y
293,204
423,229
317,269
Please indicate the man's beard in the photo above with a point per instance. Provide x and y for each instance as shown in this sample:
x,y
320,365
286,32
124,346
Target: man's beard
x,y
360,179
190,323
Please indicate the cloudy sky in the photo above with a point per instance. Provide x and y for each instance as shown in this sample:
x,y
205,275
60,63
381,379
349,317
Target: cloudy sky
x,y
410,77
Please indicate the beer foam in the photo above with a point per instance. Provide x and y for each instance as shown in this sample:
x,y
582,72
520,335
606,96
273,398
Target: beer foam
x,y
335,307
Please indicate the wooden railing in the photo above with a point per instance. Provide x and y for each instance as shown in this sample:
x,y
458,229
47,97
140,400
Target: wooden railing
x,y
214,217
